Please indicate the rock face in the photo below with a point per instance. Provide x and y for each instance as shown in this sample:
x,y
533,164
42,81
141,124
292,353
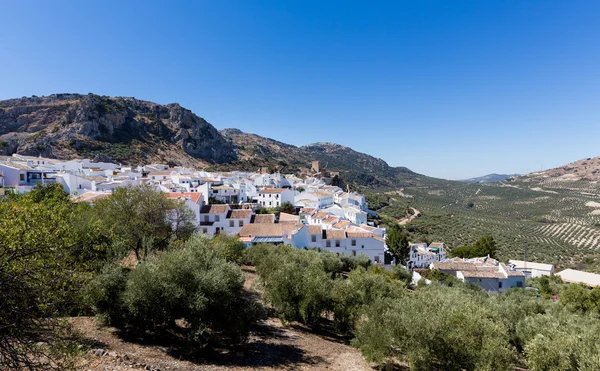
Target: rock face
x,y
132,131
121,129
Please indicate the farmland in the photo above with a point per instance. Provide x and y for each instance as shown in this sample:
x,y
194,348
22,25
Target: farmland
x,y
550,219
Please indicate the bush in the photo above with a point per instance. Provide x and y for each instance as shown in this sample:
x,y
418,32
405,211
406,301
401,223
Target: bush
x,y
194,283
435,328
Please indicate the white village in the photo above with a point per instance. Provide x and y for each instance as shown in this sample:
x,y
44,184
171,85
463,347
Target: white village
x,y
311,213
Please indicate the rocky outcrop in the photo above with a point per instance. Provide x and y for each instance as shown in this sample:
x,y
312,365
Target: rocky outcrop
x,y
124,129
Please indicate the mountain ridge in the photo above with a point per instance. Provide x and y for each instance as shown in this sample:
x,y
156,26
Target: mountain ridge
x,y
134,131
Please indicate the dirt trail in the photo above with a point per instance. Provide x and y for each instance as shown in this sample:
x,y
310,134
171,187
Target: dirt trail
x,y
406,220
272,346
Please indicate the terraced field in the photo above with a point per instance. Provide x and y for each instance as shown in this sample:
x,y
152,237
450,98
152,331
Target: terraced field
x,y
554,220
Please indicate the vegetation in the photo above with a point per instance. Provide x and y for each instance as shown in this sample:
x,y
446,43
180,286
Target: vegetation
x,y
140,219
397,242
194,283
485,246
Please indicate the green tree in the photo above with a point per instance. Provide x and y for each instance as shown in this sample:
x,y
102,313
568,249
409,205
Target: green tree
x,y
141,219
483,247
397,243
44,263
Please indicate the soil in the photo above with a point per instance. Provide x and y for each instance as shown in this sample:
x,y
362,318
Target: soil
x,y
272,346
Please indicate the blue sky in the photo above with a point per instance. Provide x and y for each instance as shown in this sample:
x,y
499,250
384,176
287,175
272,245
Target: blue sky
x,y
452,89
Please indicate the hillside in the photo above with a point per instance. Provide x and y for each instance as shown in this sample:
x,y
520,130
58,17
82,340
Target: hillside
x,y
490,178
134,131
120,129
357,168
551,216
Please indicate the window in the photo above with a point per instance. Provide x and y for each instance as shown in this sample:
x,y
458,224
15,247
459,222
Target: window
x,y
241,223
217,218
231,223
313,238
353,242
337,243
22,177
353,252
520,284
328,244
204,230
376,259
499,285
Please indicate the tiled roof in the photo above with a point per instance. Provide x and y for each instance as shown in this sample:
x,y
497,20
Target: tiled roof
x,y
314,229
307,210
454,265
330,219
485,273
342,224
320,215
436,244
194,196
272,190
91,196
288,217
268,230
264,218
239,214
214,209
331,234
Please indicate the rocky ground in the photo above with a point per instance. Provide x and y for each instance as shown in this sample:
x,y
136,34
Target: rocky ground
x,y
271,346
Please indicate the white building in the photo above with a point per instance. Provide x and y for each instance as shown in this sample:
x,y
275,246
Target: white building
x,y
575,276
274,197
421,255
485,272
531,269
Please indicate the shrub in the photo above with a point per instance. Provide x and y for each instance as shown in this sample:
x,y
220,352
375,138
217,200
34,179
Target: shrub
x,y
435,328
194,283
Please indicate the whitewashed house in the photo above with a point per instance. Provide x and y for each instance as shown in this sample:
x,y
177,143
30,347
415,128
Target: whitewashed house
x,y
421,255
274,197
531,269
213,219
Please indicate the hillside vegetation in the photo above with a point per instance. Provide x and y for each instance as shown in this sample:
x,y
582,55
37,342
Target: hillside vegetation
x,y
550,218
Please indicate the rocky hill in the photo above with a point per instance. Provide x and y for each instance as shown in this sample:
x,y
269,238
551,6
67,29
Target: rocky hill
x,y
357,168
134,131
490,178
587,169
119,129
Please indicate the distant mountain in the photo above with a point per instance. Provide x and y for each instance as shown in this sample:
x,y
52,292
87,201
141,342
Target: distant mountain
x,y
134,131
587,169
490,178
358,168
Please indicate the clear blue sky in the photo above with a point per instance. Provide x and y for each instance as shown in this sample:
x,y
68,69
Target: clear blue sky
x,y
451,89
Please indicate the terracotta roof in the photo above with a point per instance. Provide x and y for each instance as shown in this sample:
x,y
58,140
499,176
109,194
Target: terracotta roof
x,y
288,217
436,244
272,190
330,219
320,215
214,209
267,230
359,235
342,224
331,234
367,227
264,218
314,229
454,266
307,210
194,196
239,214
485,273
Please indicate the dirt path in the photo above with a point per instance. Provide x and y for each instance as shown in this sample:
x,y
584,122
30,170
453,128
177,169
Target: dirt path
x,y
272,346
406,220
